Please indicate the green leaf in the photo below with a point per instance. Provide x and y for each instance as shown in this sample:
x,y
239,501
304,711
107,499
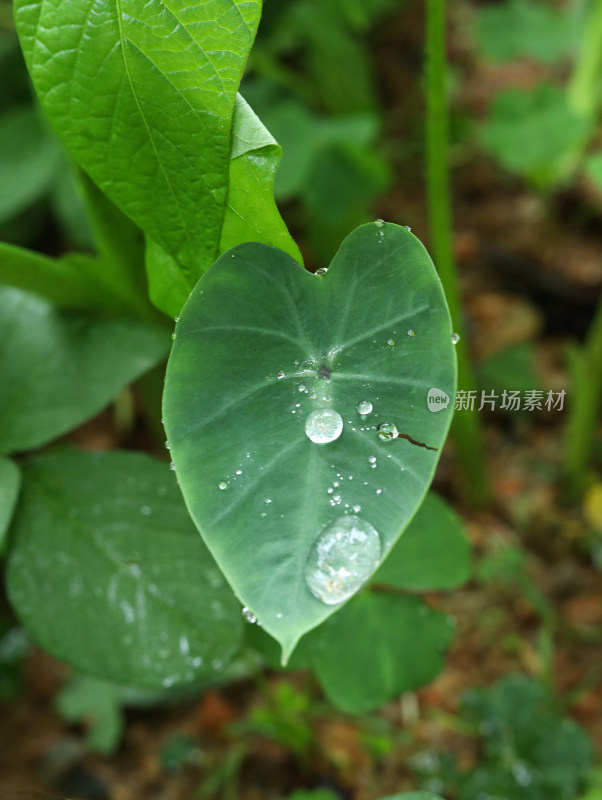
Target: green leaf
x,y
534,133
97,704
261,344
414,796
71,282
58,369
30,157
114,77
593,169
524,28
10,483
407,641
107,572
433,552
250,215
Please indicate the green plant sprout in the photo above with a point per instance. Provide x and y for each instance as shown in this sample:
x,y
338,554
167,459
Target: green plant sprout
x,y
295,404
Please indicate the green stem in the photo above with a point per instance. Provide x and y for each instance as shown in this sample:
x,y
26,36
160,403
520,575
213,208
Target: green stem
x,y
586,393
585,91
466,429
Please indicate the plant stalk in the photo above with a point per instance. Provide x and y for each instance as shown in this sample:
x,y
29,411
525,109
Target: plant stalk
x,y
466,428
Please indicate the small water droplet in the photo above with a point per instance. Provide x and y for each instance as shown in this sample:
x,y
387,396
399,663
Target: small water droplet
x,y
176,319
239,471
336,498
249,615
280,375
323,425
364,407
455,337
145,510
341,559
387,431
167,445
372,459
391,342
267,501
407,227
321,272
173,335
379,223
357,509
172,466
411,332
379,491
223,485
302,388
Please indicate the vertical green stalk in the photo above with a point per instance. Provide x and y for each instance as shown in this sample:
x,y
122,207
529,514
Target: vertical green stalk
x,y
466,430
585,364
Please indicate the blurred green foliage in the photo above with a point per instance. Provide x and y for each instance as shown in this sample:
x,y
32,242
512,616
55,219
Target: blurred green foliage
x,y
529,750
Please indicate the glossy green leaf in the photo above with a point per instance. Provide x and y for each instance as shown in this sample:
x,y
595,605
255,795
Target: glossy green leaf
x,y
391,644
30,157
433,552
107,572
260,345
250,214
10,482
58,369
142,94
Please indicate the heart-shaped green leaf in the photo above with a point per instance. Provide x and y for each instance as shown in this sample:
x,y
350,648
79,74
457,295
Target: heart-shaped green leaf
x,y
261,348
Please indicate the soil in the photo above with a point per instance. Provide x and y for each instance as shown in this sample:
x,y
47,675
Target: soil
x,y
531,273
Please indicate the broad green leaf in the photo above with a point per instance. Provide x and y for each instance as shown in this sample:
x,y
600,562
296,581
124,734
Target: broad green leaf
x,y
71,282
527,29
10,482
142,94
377,647
58,369
433,552
107,572
97,704
534,133
250,215
30,157
262,344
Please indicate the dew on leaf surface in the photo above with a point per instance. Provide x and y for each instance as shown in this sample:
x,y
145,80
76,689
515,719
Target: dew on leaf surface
x,y
387,431
364,407
223,485
342,558
323,425
248,615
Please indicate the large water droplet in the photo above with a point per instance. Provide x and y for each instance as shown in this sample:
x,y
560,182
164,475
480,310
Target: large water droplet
x,y
387,431
323,425
342,558
364,407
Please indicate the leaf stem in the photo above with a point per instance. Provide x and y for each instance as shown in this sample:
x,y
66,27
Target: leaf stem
x,y
466,429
